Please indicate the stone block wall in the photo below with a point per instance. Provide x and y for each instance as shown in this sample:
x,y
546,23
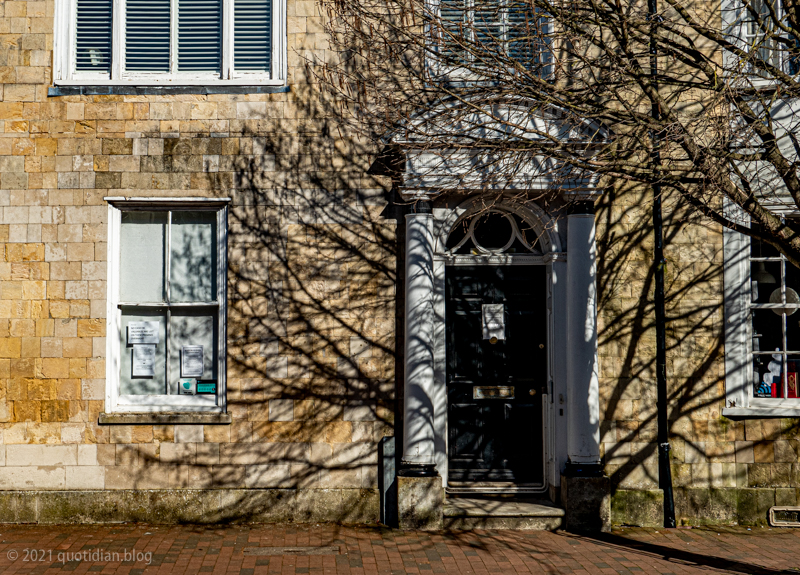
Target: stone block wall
x,y
310,282
723,470
312,288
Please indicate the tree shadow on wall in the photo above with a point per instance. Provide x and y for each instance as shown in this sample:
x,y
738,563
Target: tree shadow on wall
x,y
314,371
707,448
312,306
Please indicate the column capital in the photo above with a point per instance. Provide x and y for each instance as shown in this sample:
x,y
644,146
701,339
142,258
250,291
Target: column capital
x,y
420,208
584,207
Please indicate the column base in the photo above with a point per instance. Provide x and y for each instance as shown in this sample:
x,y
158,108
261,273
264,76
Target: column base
x,y
417,470
583,469
420,502
587,503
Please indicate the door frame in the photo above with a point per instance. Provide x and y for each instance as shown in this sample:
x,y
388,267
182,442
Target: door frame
x,y
554,258
534,488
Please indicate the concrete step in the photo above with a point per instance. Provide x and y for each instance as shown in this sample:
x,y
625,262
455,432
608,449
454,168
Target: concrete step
x,y
501,513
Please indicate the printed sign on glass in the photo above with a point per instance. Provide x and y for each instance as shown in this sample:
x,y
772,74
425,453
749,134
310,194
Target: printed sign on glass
x,y
144,361
192,361
145,332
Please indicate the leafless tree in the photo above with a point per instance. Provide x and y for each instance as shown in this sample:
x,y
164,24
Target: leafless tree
x,y
568,90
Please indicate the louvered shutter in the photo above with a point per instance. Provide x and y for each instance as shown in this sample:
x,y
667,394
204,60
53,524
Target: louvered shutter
x,y
489,25
453,22
93,42
523,35
252,35
147,35
199,35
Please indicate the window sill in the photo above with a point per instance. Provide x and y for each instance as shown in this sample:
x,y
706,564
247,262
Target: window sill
x,y
761,412
164,418
163,90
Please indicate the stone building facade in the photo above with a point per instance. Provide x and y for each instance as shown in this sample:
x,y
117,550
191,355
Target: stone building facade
x,y
315,285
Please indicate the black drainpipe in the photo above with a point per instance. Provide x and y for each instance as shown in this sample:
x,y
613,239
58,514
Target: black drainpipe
x,y
664,472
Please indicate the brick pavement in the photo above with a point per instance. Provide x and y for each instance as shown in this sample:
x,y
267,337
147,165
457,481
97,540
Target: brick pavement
x,y
253,550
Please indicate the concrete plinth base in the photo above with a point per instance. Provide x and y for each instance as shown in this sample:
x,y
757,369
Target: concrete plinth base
x,y
202,506
420,502
587,503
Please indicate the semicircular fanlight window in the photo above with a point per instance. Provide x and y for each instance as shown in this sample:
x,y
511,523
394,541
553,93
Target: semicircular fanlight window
x,y
492,232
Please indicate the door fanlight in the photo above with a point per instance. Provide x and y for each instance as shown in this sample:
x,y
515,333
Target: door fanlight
x,y
490,222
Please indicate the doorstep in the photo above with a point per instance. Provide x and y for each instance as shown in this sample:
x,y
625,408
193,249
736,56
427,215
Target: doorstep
x,y
502,513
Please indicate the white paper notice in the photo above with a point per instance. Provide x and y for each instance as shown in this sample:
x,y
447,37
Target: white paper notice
x,y
143,332
192,361
144,360
493,320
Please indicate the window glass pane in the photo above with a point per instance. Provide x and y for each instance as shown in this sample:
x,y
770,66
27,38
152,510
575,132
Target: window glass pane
x,y
766,278
93,41
193,327
147,35
759,249
252,35
141,265
199,35
767,330
767,376
136,365
792,315
193,260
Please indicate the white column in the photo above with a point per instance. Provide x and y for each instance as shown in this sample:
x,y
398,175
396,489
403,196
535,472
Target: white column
x,y
418,427
583,400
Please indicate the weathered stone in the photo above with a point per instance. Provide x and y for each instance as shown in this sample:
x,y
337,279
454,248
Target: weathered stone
x,y
640,508
587,502
420,502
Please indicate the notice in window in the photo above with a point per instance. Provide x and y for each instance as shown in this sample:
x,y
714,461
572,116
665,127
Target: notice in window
x,y
143,332
192,361
144,361
493,321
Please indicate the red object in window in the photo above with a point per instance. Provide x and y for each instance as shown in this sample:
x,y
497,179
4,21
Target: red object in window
x,y
791,384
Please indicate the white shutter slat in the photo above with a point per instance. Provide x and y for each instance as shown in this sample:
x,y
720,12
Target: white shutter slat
x,y
93,36
489,25
252,35
147,35
199,35
454,25
524,41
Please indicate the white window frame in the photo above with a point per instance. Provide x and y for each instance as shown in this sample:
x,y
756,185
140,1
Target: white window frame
x,y
433,8
65,74
739,400
117,403
734,23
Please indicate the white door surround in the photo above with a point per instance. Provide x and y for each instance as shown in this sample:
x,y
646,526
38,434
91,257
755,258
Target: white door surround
x,y
571,419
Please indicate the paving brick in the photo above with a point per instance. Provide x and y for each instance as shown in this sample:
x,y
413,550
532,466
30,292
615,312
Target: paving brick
x,y
339,550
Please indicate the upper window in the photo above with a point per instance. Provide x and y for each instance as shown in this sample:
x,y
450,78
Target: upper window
x,y
166,337
760,28
762,339
174,42
477,33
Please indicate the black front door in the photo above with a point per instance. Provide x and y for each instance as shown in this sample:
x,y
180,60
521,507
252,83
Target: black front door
x,y
495,386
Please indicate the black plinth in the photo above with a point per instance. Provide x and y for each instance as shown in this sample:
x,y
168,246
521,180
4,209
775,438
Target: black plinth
x,y
583,469
417,470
